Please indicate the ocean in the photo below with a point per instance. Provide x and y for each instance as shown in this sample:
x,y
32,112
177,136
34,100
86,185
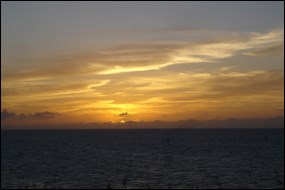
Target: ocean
x,y
143,159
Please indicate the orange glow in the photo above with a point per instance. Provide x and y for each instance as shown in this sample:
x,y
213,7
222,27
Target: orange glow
x,y
154,81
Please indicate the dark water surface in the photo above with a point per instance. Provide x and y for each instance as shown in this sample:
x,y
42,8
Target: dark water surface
x,y
150,158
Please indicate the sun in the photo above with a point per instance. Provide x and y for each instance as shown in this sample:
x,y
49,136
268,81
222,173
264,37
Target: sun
x,y
122,121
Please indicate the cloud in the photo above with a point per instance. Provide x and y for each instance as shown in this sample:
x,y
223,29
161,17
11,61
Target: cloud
x,y
124,114
51,87
132,76
217,86
148,94
146,56
45,115
5,115
275,50
271,122
157,55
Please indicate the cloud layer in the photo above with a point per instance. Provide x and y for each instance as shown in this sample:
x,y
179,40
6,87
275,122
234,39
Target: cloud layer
x,y
145,56
187,77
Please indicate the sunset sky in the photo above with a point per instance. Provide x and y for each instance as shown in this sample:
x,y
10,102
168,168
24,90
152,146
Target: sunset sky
x,y
65,62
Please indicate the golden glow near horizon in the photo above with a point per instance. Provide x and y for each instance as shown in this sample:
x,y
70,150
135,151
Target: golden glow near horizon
x,y
172,74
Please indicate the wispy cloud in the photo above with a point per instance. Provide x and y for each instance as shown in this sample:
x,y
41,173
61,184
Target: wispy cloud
x,y
152,55
274,50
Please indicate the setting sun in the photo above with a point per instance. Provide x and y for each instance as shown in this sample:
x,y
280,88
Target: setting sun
x,y
157,71
142,95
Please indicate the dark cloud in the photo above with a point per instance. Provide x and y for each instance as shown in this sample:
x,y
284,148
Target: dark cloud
x,y
7,115
45,115
124,114
35,116
274,122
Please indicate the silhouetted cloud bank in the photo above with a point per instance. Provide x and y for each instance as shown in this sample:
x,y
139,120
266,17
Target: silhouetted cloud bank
x,y
275,122
5,114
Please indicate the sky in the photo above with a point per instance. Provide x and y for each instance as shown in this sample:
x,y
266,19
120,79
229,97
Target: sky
x,y
66,62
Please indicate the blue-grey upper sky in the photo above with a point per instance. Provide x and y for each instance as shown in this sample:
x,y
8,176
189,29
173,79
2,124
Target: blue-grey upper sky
x,y
42,25
149,59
